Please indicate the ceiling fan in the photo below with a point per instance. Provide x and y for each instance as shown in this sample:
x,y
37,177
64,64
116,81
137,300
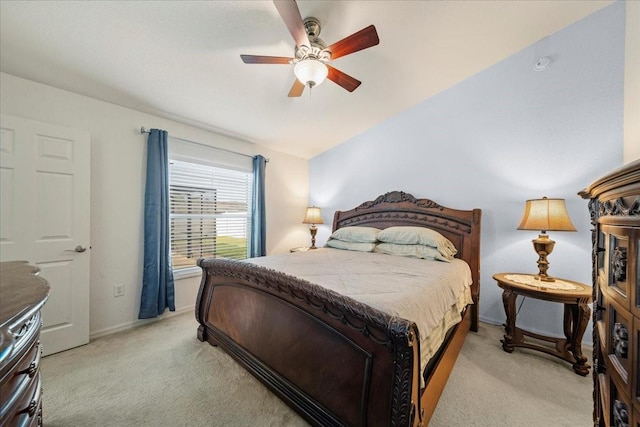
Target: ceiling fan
x,y
311,53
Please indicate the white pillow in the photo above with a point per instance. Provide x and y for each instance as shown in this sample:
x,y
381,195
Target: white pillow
x,y
406,235
351,246
413,251
356,234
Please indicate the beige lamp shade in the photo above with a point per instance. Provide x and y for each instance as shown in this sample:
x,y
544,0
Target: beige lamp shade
x,y
546,215
313,216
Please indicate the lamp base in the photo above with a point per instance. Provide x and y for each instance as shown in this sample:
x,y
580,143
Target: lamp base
x,y
313,230
543,247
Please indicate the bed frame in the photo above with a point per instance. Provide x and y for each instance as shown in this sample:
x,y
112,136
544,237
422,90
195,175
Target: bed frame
x,y
336,361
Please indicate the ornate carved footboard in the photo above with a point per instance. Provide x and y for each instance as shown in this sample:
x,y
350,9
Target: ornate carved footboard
x,y
337,361
334,360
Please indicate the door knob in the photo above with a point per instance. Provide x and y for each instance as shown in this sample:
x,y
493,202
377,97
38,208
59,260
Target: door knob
x,y
78,249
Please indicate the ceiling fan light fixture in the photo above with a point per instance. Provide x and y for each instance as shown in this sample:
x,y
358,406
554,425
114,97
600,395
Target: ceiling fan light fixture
x,y
311,72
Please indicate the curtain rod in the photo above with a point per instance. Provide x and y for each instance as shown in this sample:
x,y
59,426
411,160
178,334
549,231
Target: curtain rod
x,y
143,130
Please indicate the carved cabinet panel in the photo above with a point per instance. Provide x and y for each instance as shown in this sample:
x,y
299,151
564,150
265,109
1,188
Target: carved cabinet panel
x,y
619,328
615,263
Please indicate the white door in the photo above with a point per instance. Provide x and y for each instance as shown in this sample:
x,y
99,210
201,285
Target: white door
x,y
44,197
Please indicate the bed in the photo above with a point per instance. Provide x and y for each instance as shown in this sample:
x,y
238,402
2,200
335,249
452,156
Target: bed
x,y
333,359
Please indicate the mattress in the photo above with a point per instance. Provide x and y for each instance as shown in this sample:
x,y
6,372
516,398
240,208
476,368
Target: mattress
x,y
428,292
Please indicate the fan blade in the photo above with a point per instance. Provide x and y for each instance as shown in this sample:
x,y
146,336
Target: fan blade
x,y
342,79
296,89
363,39
257,59
290,14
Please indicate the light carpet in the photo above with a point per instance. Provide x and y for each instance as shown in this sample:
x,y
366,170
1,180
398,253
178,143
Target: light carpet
x,y
159,374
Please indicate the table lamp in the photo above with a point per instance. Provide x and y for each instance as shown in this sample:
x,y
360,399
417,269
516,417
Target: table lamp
x,y
545,215
313,217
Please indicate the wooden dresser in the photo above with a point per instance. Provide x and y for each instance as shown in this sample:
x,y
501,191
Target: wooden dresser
x,y
22,295
615,213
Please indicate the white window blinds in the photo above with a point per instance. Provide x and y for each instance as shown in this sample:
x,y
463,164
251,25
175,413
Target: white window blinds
x,y
210,212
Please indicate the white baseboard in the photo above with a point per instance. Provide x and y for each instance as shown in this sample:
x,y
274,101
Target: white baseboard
x,y
138,322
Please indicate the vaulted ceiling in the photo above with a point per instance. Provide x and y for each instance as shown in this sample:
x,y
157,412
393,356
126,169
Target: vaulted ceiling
x,y
181,59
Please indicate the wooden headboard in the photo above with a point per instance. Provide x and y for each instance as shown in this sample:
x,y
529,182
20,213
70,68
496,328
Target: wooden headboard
x,y
397,208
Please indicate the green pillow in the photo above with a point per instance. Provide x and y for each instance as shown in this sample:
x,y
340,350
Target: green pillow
x,y
356,234
351,246
413,251
406,235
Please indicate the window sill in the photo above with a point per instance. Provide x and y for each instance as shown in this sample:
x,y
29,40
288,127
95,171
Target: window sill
x,y
185,273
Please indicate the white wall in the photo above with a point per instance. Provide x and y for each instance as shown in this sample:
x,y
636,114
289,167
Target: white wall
x,y
632,83
501,137
118,153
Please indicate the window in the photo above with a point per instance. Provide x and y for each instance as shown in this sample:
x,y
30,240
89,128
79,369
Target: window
x,y
210,212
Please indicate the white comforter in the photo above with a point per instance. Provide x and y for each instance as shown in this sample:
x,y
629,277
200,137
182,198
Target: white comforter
x,y
427,292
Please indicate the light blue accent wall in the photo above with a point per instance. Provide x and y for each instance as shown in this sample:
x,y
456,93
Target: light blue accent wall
x,y
505,135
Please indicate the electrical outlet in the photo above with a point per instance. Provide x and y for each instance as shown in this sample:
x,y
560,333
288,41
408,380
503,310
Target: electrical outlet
x,y
118,290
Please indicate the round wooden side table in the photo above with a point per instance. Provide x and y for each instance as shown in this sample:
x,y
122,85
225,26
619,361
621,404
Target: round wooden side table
x,y
576,298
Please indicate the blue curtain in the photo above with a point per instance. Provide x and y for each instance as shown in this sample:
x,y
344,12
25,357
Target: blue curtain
x,y
258,216
157,279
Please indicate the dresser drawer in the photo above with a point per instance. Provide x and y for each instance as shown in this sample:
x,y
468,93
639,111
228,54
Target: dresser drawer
x,y
18,383
24,370
27,408
24,338
23,334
